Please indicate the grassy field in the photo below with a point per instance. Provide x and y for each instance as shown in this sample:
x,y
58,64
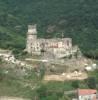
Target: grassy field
x,y
32,86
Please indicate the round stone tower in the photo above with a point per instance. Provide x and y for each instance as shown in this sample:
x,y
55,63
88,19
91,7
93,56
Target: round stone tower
x,y
31,37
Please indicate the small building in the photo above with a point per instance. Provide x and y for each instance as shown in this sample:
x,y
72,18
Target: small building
x,y
87,94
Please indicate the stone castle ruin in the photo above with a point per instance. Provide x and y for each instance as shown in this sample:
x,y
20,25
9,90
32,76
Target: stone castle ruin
x,y
57,47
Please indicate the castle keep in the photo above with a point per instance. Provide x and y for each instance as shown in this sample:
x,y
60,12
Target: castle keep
x,y
58,47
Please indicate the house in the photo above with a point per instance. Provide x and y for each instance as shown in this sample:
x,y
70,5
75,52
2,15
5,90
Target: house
x,y
86,94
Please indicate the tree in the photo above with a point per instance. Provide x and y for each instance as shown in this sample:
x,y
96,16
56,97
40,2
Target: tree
x,y
64,98
91,82
75,84
42,70
2,75
42,91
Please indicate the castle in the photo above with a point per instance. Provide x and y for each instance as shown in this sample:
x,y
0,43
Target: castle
x,y
58,47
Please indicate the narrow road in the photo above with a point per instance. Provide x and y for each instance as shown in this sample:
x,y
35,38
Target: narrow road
x,y
12,98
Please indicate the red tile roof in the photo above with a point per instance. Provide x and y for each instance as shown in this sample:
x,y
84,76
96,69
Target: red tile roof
x,y
86,91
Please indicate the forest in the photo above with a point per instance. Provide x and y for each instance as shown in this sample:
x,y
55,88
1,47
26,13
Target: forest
x,y
77,19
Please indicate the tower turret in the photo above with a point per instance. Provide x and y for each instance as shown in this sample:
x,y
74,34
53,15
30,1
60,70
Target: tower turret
x,y
31,37
32,30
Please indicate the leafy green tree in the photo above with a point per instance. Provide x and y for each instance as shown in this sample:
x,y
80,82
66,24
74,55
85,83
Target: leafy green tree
x,y
51,97
42,91
91,82
75,84
2,75
42,70
64,98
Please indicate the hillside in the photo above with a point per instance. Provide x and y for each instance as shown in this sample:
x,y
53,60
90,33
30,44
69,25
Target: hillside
x,y
76,18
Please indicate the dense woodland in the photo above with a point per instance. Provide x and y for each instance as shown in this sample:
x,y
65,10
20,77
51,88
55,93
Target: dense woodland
x,y
77,19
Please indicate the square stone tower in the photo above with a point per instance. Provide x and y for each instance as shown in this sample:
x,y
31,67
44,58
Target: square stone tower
x,y
31,37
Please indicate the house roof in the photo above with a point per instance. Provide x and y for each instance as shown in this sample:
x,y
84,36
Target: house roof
x,y
86,91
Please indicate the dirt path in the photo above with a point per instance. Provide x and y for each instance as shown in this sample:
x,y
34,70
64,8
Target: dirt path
x,y
12,98
66,76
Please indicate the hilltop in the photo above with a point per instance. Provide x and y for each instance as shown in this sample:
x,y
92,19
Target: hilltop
x,y
76,19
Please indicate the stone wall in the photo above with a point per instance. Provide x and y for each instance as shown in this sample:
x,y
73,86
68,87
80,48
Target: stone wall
x,y
58,46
